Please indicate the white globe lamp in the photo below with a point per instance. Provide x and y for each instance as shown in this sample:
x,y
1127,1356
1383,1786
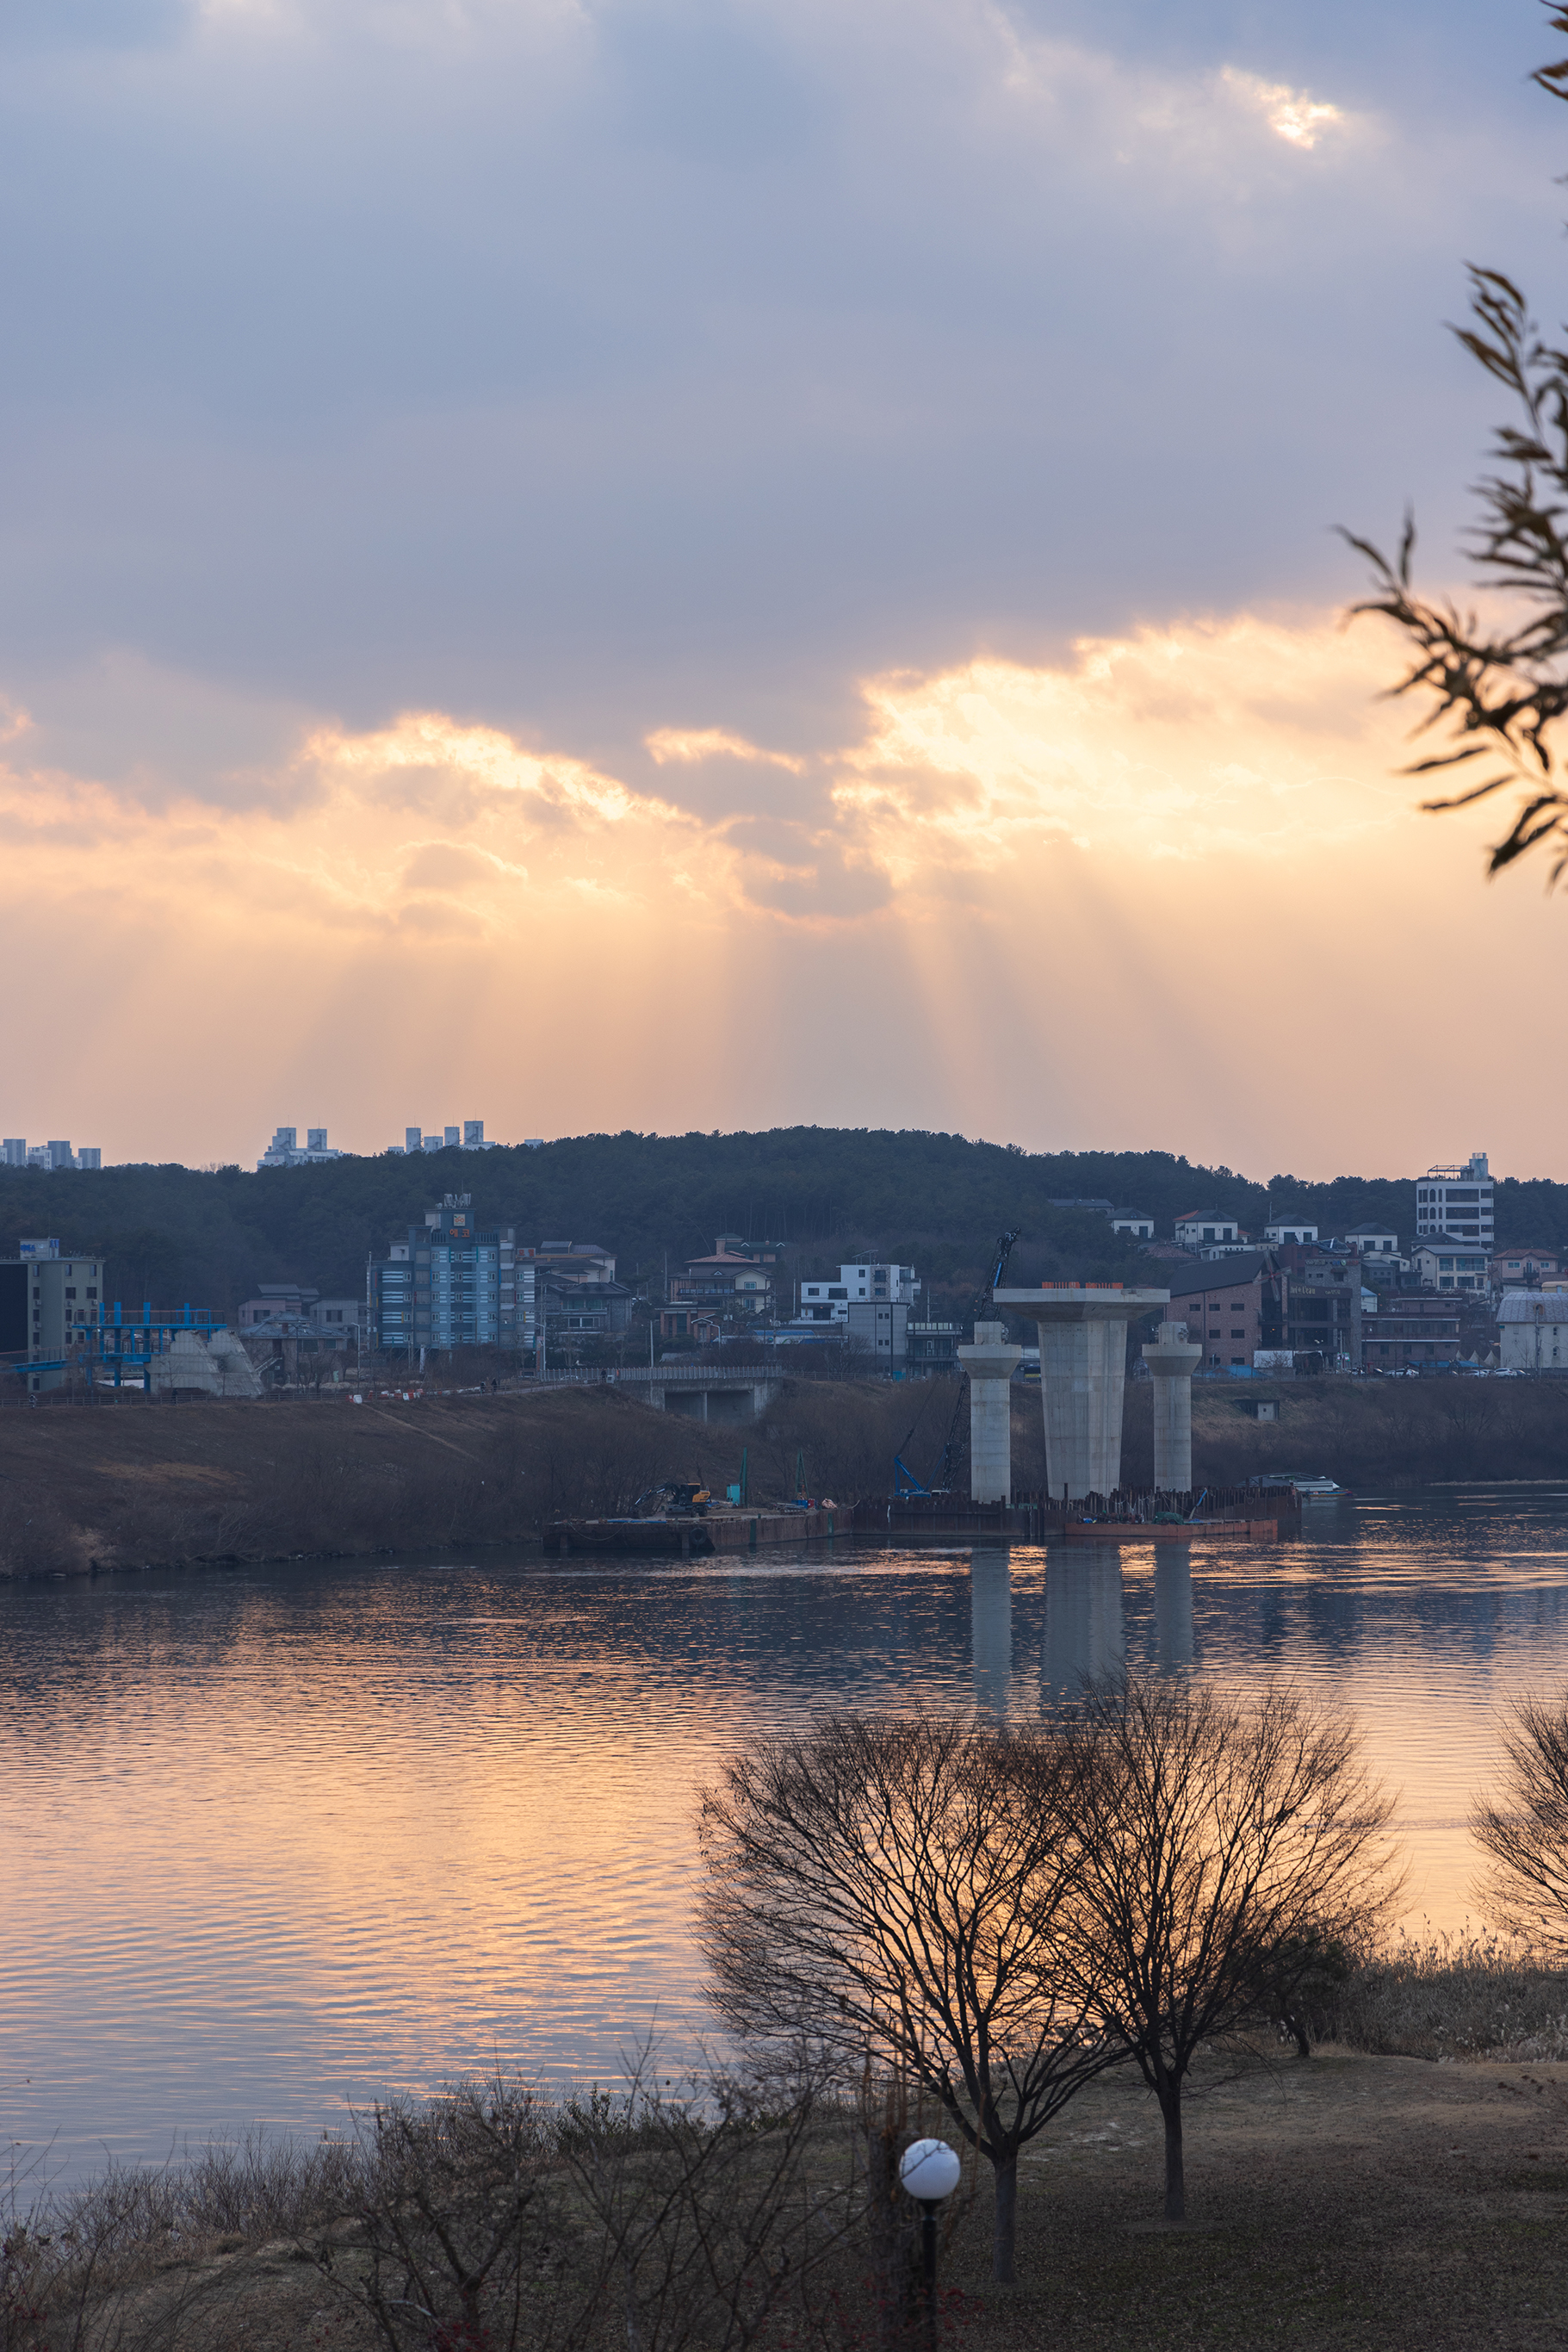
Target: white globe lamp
x,y
930,2170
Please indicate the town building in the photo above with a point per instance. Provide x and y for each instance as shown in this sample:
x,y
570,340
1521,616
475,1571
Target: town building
x,y
1373,1240
1137,1223
448,1285
1524,1266
733,1278
285,1151
1231,1309
933,1347
1290,1228
697,1323
1458,1203
1206,1229
16,1152
1447,1264
881,1326
569,1289
304,1311
1533,1330
861,1284
51,1310
1409,1331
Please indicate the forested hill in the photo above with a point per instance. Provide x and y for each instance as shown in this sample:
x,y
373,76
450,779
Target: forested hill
x,y
173,1234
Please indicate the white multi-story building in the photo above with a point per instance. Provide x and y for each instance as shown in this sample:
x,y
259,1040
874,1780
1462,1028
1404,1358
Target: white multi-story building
x,y
285,1151
859,1284
1458,1201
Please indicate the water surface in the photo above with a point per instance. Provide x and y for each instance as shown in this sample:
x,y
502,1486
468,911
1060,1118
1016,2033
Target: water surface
x,y
276,1841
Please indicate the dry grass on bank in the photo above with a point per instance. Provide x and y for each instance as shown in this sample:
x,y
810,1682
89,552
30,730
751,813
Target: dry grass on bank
x,y
133,1482
1340,2205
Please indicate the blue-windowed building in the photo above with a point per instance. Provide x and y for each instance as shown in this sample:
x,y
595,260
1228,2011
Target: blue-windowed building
x,y
448,1285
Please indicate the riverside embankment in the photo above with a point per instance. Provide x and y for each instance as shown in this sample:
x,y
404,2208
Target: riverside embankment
x,y
127,1482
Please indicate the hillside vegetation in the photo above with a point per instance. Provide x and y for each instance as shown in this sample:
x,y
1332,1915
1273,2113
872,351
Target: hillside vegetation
x,y
172,1234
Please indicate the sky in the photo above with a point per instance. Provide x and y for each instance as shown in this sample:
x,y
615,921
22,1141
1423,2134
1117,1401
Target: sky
x,y
670,565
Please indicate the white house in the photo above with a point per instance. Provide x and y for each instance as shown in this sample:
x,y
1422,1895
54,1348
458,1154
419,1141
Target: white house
x,y
859,1284
1135,1222
1373,1241
1449,1265
1200,1226
1289,1229
1533,1330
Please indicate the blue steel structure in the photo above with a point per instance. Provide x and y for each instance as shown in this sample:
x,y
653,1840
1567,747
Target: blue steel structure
x,y
131,1343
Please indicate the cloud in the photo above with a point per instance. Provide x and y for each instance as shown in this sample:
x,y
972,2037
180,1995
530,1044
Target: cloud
x,y
1090,901
1301,121
624,522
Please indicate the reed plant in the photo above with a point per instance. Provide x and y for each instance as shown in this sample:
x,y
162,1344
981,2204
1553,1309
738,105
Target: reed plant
x,y
1474,1995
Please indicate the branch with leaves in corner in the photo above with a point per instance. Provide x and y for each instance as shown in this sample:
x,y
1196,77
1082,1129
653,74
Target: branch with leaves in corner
x,y
1499,693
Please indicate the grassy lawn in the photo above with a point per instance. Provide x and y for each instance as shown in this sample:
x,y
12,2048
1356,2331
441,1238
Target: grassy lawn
x,y
1350,2202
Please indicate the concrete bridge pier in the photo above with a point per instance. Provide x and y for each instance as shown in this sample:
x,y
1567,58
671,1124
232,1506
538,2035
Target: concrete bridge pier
x,y
1083,1377
1172,1362
990,1364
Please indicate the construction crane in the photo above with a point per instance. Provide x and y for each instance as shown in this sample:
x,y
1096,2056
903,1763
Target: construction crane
x,y
952,1451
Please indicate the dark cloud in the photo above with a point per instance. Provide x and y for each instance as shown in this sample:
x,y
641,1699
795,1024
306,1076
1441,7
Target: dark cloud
x,y
589,372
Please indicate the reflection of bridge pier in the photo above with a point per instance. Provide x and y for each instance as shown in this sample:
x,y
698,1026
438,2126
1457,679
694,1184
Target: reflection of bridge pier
x,y
1085,1639
1083,1377
1173,1606
991,1626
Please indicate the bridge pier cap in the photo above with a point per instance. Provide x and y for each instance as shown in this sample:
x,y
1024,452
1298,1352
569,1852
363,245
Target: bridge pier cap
x,y
1083,1331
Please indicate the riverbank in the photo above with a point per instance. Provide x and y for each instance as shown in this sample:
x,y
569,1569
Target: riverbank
x,y
131,1482
1344,2202
128,1482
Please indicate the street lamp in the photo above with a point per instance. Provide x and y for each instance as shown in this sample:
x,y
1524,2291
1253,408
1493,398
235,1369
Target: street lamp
x,y
929,2170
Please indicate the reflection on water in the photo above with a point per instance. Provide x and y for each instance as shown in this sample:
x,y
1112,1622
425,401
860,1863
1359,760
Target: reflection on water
x,y
1085,1634
991,1626
280,1839
1173,1606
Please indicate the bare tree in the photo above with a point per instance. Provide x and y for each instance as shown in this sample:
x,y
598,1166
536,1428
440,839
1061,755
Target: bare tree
x,y
714,2202
1216,1841
1524,1830
896,1890
1501,688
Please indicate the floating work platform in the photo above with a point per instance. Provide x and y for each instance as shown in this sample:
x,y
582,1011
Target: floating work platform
x,y
1242,1514
692,1536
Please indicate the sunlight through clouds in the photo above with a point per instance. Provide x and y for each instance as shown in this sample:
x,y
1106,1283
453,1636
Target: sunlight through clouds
x,y
1290,114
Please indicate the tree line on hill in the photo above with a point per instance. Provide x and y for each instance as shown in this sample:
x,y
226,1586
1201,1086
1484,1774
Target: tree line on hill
x,y
936,1200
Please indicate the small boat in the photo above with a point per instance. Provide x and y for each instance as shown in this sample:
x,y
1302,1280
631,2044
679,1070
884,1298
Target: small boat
x,y
1314,1488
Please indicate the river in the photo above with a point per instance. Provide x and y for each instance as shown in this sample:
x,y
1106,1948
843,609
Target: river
x,y
277,1840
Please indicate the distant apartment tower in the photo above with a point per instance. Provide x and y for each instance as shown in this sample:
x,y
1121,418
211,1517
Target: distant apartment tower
x,y
284,1150
447,1285
14,1153
1458,1201
469,1137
